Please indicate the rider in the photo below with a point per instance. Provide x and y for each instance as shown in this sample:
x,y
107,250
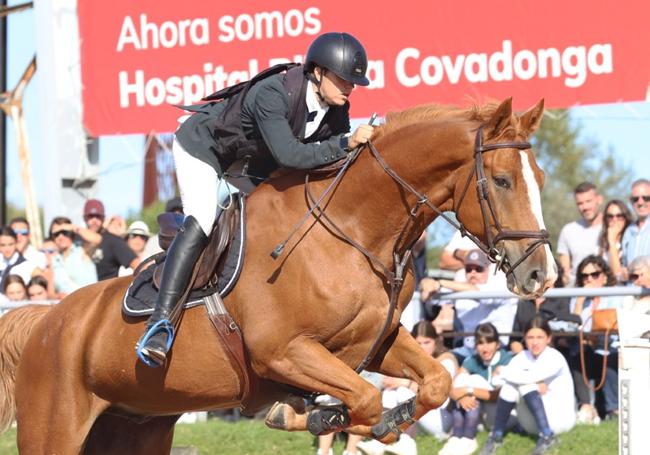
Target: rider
x,y
303,134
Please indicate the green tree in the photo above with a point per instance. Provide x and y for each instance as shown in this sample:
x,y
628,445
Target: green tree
x,y
567,162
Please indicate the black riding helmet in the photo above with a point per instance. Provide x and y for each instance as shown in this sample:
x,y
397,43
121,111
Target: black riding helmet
x,y
340,53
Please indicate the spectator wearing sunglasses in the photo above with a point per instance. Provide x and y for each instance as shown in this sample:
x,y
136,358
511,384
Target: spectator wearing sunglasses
x,y
636,239
639,275
20,225
617,218
72,268
11,261
469,313
594,272
112,252
137,235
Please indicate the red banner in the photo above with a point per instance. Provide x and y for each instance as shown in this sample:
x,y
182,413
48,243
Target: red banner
x,y
138,58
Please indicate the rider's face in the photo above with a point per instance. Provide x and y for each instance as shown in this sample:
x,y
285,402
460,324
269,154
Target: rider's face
x,y
334,90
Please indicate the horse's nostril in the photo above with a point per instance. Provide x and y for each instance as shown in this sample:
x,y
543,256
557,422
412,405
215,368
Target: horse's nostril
x,y
538,276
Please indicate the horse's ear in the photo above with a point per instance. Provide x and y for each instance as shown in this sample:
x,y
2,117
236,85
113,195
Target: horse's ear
x,y
529,121
501,119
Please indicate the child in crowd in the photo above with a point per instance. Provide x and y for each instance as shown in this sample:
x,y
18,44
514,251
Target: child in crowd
x,y
475,385
14,288
540,376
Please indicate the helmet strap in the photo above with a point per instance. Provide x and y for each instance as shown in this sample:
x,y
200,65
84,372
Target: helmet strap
x,y
317,82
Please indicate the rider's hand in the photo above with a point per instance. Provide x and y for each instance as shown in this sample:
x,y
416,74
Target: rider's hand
x,y
360,136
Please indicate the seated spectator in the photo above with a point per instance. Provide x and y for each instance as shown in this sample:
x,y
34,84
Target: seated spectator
x,y
469,313
636,238
475,385
593,272
11,261
20,226
617,218
71,267
438,421
554,309
37,288
137,236
538,382
639,275
14,288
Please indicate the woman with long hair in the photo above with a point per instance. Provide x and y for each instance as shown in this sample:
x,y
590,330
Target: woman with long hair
x,y
594,272
617,218
538,383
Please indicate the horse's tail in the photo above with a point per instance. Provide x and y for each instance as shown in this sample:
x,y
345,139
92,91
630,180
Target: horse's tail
x,y
15,328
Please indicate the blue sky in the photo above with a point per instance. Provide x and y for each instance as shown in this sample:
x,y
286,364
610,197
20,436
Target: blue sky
x,y
622,127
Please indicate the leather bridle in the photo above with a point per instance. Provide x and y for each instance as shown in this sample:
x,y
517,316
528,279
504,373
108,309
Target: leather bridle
x,y
395,277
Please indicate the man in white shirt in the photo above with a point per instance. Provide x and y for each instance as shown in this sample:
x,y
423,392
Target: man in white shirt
x,y
579,238
470,312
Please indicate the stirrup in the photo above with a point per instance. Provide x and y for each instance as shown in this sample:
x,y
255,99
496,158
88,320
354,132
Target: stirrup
x,y
164,325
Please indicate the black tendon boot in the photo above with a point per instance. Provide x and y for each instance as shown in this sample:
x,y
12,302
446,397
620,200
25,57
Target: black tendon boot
x,y
182,255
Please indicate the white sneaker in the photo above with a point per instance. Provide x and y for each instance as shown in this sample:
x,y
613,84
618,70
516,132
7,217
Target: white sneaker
x,y
331,452
371,447
405,445
587,416
467,446
451,446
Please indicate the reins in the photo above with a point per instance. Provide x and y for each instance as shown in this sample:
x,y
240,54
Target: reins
x,y
395,277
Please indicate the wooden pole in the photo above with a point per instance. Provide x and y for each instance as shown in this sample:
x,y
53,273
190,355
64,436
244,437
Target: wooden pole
x,y
12,105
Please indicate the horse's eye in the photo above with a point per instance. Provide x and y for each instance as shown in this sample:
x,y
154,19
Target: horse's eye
x,y
501,182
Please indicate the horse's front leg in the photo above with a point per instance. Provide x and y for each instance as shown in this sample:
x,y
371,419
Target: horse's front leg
x,y
308,365
402,357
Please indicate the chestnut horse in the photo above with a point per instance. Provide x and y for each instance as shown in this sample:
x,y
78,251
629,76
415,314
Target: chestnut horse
x,y
309,318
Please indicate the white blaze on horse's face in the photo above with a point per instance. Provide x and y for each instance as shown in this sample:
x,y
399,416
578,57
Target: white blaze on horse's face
x,y
535,201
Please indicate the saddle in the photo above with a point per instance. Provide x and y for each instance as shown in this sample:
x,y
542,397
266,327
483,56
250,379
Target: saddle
x,y
220,239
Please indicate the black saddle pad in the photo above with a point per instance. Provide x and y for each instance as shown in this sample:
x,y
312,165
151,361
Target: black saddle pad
x,y
140,297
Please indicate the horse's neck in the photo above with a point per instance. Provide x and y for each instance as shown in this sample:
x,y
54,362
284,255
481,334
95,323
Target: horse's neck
x,y
379,208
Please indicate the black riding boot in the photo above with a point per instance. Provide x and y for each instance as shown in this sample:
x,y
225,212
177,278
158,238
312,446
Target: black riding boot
x,y
182,255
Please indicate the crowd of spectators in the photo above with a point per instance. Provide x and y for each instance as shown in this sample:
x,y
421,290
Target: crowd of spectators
x,y
71,256
510,370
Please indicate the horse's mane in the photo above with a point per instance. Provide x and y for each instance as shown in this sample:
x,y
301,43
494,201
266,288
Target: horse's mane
x,y
428,112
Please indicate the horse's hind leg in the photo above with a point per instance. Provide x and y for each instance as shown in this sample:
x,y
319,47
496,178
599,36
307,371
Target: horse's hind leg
x,y
116,435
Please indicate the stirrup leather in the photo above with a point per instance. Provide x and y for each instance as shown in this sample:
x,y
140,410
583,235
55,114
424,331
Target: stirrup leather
x,y
144,352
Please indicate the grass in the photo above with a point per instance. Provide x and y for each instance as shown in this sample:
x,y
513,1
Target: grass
x,y
251,437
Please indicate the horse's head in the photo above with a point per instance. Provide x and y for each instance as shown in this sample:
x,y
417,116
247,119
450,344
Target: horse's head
x,y
509,218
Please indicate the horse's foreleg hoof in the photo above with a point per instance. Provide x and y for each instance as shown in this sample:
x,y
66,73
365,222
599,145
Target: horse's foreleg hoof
x,y
287,416
328,419
393,418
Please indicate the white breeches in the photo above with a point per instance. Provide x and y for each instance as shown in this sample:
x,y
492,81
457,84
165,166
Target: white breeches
x,y
197,182
561,416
